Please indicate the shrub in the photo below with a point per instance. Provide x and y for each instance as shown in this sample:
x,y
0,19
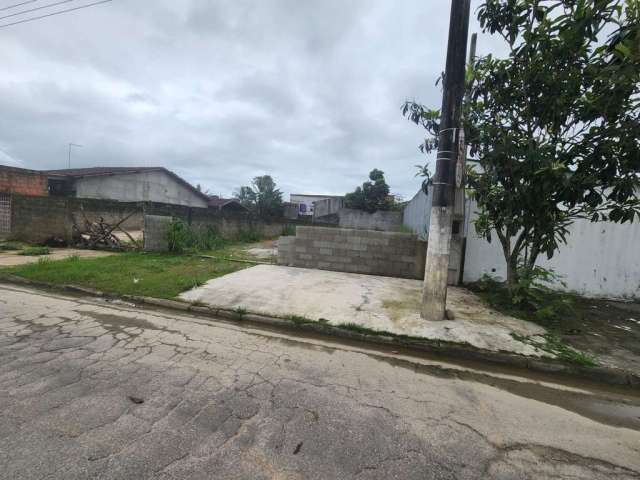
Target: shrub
x,y
288,230
177,236
248,235
183,237
35,251
531,296
5,246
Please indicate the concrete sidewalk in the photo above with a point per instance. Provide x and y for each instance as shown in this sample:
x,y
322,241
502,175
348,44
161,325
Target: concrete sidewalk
x,y
379,303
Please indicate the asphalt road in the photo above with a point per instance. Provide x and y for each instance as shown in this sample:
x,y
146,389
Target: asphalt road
x,y
90,389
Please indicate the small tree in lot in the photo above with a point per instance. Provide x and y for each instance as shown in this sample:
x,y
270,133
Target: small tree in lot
x,y
554,127
262,197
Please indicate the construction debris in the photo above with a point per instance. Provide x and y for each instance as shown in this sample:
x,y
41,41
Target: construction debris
x,y
100,234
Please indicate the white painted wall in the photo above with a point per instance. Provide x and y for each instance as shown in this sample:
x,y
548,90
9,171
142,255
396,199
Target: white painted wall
x,y
417,213
155,186
599,259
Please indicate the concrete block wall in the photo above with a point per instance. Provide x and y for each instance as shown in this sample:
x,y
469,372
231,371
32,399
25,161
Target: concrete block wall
x,y
357,251
327,206
37,219
156,228
233,227
387,221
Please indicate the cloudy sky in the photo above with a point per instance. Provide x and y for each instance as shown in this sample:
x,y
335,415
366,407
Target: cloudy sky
x,y
220,91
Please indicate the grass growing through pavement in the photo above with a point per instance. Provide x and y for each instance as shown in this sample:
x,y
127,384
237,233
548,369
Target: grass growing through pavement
x,y
133,273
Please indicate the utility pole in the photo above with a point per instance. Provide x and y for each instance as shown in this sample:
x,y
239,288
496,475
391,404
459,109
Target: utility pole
x,y
434,292
71,145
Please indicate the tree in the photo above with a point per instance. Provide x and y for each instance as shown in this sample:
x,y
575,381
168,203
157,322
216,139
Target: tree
x,y
262,197
372,196
555,126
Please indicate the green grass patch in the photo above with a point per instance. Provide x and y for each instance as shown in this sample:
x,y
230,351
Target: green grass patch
x,y
548,308
35,251
299,320
555,311
553,344
354,327
235,251
132,273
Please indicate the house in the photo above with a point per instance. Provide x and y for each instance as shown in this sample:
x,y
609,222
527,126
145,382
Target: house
x,y
21,181
226,204
126,184
306,202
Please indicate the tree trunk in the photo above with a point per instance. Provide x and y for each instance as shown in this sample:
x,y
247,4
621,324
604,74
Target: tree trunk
x,y
511,259
512,272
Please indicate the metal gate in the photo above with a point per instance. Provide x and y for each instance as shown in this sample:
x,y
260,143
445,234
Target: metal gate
x,y
5,215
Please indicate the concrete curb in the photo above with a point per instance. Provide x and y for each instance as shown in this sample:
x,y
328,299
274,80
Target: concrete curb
x,y
599,374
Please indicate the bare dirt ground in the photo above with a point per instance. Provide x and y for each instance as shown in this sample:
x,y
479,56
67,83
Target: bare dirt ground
x,y
608,329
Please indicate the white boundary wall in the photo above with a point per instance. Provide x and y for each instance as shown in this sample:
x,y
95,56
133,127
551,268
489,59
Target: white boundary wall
x,y
417,213
599,260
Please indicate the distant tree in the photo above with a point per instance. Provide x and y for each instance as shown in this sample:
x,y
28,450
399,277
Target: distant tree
x,y
372,196
201,190
554,126
262,197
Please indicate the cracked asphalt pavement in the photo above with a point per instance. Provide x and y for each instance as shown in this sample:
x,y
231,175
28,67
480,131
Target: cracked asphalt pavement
x,y
92,389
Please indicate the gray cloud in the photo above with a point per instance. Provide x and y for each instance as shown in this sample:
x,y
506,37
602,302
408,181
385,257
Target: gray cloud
x,y
219,92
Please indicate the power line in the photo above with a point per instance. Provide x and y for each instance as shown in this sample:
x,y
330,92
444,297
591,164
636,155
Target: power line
x,y
37,8
17,5
55,13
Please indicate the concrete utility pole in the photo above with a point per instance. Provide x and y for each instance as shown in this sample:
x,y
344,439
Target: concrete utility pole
x,y
434,292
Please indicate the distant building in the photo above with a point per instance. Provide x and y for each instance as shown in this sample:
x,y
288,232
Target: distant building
x,y
126,184
226,204
21,181
290,210
306,202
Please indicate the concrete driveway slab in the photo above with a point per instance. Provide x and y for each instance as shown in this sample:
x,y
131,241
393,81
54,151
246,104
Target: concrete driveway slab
x,y
380,303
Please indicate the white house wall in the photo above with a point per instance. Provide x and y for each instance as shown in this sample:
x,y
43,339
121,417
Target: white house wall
x,y
599,260
136,187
